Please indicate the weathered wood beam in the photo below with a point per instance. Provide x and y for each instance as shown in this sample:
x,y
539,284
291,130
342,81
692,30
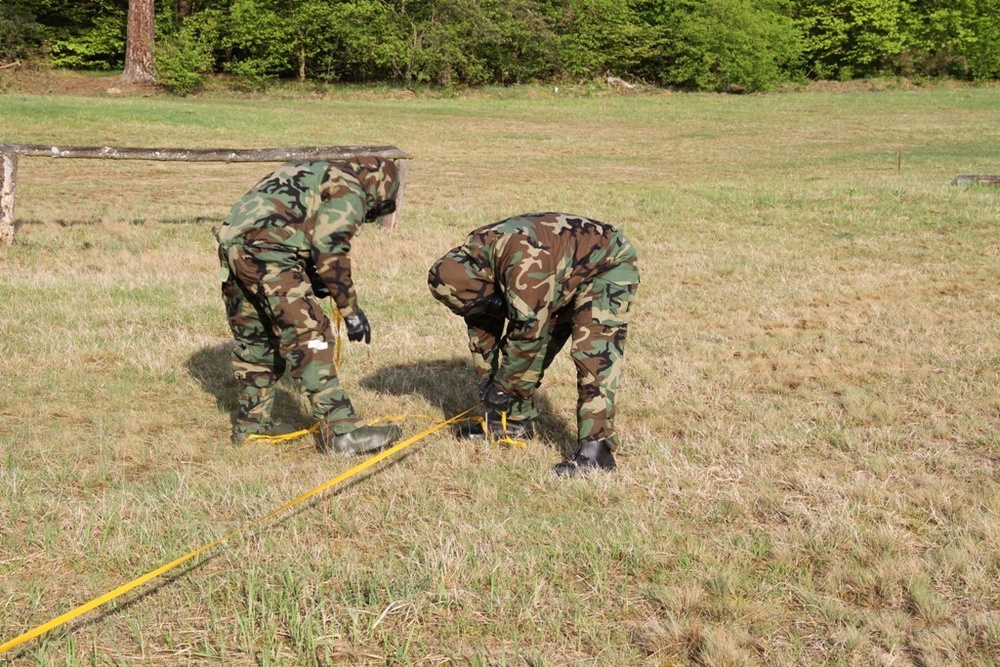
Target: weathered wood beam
x,y
11,152
210,154
977,179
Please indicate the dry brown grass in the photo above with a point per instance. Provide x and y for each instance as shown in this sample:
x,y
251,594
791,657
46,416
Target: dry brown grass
x,y
809,414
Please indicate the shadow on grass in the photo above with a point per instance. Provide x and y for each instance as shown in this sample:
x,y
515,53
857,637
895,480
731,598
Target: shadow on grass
x,y
450,384
212,368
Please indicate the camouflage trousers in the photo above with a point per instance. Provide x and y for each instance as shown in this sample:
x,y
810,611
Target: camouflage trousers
x,y
279,325
596,324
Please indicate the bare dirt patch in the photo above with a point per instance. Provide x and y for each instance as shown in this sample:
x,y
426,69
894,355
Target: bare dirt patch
x,y
44,81
31,79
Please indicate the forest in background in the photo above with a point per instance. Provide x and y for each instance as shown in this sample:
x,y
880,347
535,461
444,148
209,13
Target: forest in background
x,y
698,45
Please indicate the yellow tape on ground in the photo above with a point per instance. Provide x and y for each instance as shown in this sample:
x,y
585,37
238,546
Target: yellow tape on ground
x,y
275,439
149,576
504,439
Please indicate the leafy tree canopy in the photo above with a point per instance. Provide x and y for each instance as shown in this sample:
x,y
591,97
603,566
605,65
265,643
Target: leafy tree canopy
x,y
721,45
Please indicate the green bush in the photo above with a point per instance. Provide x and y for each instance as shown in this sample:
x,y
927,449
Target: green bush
x,y
847,39
181,64
20,35
353,42
260,42
99,47
185,55
445,43
602,37
729,45
520,46
983,52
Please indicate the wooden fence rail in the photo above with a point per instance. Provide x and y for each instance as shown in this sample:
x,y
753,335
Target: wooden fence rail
x,y
10,154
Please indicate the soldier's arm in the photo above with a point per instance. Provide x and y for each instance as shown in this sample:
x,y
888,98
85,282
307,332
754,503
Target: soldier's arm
x,y
484,343
337,220
529,293
521,367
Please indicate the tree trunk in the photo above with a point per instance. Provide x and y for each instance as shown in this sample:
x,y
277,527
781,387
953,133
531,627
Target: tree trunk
x,y
139,44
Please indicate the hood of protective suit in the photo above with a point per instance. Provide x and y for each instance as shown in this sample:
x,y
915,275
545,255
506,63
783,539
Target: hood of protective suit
x,y
379,178
461,280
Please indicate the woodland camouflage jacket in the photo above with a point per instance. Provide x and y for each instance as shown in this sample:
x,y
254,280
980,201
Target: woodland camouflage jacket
x,y
312,210
539,262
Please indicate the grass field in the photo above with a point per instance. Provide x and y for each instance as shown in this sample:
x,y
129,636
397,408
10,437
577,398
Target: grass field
x,y
810,461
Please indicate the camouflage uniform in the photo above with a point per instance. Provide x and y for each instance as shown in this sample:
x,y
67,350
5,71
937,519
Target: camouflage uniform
x,y
285,244
563,277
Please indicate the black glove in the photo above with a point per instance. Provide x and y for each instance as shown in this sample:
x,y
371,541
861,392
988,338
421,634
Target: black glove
x,y
382,208
495,306
358,327
318,286
487,314
494,398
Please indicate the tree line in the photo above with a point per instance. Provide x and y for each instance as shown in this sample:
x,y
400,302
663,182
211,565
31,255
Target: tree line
x,y
708,45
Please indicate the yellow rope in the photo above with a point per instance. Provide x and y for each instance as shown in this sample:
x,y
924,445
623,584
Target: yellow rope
x,y
338,319
399,418
295,435
149,576
505,439
275,439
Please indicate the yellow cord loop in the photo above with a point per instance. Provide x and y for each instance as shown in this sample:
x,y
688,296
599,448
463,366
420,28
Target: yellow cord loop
x,y
149,576
504,439
484,424
277,439
288,437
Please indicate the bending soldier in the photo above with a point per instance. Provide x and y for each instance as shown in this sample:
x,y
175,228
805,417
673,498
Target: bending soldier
x,y
283,247
550,277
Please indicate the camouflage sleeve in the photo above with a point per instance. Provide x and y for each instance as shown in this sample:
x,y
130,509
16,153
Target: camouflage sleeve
x,y
530,291
484,343
337,220
521,369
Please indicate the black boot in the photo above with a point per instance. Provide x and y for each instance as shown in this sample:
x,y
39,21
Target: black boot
x,y
361,440
592,455
516,428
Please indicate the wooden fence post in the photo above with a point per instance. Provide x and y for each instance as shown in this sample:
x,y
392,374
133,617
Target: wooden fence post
x,y
8,179
402,170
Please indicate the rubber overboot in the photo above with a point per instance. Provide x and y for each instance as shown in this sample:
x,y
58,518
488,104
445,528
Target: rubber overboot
x,y
361,440
516,429
243,431
591,455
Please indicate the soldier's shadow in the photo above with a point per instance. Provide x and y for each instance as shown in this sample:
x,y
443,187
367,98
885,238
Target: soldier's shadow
x,y
212,368
450,384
